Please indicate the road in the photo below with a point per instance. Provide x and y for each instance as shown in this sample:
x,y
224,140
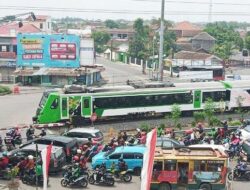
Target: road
x,y
18,109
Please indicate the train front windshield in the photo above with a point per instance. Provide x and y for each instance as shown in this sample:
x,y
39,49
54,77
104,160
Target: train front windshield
x,y
43,99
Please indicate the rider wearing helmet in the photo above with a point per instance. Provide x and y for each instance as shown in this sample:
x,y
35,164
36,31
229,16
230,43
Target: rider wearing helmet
x,y
43,133
122,165
30,132
4,161
30,164
21,165
89,143
101,171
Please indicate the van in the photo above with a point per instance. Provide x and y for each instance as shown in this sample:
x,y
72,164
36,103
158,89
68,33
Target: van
x,y
132,155
57,160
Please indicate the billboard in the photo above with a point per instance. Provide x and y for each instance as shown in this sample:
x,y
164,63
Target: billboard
x,y
44,50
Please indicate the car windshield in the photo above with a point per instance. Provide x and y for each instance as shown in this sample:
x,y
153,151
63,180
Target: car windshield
x,y
247,128
108,153
159,142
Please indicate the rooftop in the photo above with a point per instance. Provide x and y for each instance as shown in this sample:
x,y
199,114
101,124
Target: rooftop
x,y
39,17
12,29
83,130
204,36
185,25
192,55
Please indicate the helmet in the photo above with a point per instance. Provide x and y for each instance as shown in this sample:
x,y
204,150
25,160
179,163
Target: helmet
x,y
43,129
4,153
30,157
78,151
76,158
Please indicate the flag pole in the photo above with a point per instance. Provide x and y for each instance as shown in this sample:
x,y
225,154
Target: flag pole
x,y
36,166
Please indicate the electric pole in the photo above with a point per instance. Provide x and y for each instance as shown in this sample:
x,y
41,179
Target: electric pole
x,y
210,11
161,41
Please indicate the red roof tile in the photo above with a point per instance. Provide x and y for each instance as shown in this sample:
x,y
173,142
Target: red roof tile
x,y
39,17
5,30
185,25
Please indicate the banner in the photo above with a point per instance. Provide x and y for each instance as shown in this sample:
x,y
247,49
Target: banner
x,y
46,153
148,160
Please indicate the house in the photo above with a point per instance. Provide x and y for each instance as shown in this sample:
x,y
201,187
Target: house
x,y
120,34
237,59
185,29
203,41
117,51
8,47
189,59
43,22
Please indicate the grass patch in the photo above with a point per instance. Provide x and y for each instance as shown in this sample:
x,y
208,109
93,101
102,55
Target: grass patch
x,y
4,90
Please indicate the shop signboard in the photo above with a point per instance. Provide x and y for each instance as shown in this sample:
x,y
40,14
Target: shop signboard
x,y
44,50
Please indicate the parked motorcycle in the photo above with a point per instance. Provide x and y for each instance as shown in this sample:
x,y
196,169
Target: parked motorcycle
x,y
235,175
122,175
106,179
30,179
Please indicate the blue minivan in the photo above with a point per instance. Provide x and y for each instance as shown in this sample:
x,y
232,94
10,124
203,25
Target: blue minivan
x,y
132,155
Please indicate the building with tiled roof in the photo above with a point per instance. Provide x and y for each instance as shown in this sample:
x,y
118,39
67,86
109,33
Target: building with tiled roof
x,y
203,41
185,29
43,22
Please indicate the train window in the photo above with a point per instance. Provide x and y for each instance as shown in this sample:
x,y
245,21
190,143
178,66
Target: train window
x,y
64,104
86,103
216,96
54,104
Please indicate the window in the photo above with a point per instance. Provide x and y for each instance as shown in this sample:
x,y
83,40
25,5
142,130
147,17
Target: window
x,y
115,156
54,104
4,48
138,156
170,165
157,166
64,104
119,36
86,103
128,156
216,96
124,36
41,26
215,166
200,166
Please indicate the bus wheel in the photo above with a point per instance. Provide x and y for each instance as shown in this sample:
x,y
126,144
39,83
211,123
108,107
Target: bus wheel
x,y
205,186
165,186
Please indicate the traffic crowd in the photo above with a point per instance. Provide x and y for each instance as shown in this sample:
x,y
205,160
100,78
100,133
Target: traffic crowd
x,y
77,173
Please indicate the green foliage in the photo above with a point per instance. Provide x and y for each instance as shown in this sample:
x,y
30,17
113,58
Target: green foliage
x,y
240,110
145,127
235,123
138,45
101,39
5,90
247,42
111,24
199,116
209,110
13,172
175,115
214,121
227,39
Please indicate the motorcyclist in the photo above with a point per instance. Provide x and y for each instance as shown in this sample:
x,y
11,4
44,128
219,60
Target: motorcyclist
x,y
89,143
21,165
75,171
101,171
125,136
43,133
225,127
122,165
30,132
200,129
30,165
138,134
76,159
4,161
242,167
83,162
143,138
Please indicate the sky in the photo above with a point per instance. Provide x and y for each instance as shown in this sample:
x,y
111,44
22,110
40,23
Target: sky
x,y
176,10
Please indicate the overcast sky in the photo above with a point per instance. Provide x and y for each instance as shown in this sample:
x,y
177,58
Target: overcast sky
x,y
146,9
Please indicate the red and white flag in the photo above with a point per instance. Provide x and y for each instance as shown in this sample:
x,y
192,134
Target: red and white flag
x,y
46,153
148,160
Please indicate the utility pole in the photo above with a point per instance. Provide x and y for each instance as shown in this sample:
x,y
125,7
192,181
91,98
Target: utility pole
x,y
161,41
210,11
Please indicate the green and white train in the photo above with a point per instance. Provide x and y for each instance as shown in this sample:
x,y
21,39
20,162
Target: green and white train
x,y
114,102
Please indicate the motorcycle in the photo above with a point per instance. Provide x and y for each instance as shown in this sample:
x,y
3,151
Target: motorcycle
x,y
83,171
4,174
30,179
8,143
122,175
106,179
235,175
69,180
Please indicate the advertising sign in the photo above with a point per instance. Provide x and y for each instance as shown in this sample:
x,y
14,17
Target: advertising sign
x,y
44,50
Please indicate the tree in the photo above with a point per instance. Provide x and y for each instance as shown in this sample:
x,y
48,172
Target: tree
x,y
175,115
240,110
111,24
227,39
100,39
209,110
247,42
138,44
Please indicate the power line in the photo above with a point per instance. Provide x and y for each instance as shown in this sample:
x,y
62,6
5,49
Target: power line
x,y
196,2
110,11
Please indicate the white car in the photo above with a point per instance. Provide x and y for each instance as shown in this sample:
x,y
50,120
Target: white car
x,y
245,133
82,134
